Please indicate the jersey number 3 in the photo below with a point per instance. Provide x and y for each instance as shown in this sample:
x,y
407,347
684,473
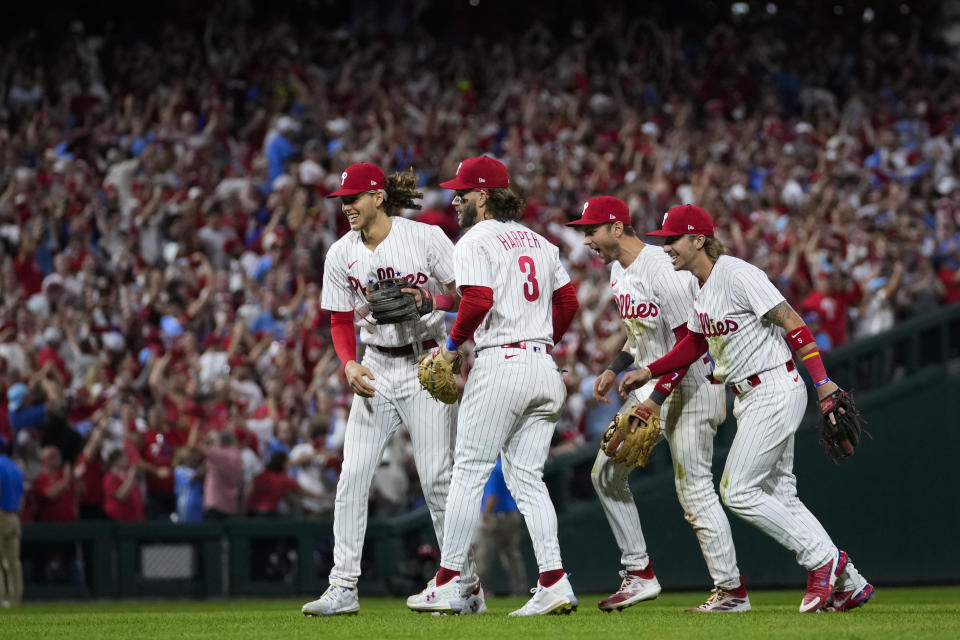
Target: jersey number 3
x,y
531,288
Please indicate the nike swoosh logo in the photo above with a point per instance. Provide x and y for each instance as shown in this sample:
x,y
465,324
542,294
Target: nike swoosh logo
x,y
794,335
350,266
795,378
513,356
613,284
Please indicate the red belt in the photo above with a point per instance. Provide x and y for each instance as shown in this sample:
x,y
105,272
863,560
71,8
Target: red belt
x,y
536,346
405,350
754,380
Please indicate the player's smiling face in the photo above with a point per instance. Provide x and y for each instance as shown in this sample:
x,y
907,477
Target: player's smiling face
x,y
601,239
682,251
361,208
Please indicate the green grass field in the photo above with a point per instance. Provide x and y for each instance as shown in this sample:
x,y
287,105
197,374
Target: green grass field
x,y
911,613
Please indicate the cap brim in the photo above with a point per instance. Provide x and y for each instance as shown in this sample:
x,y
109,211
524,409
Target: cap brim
x,y
584,223
663,233
346,192
455,184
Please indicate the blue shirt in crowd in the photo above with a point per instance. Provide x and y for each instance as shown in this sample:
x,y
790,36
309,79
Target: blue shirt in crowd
x,y
497,486
11,485
189,494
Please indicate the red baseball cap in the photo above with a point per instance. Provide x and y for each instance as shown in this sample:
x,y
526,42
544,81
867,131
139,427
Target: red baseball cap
x,y
358,178
482,172
687,218
601,210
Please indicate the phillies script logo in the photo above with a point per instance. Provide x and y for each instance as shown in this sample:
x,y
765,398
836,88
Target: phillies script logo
x,y
630,310
415,279
713,329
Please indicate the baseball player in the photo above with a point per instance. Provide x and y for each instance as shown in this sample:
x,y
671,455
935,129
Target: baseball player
x,y
742,319
654,302
517,302
380,246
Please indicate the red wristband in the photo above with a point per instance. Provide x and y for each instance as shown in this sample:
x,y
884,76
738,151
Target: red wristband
x,y
800,338
443,301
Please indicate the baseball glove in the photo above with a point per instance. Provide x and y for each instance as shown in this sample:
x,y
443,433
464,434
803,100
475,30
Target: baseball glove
x,y
631,436
840,439
436,375
390,305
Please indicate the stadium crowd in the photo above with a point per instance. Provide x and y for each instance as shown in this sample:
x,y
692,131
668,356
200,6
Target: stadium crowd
x,y
163,221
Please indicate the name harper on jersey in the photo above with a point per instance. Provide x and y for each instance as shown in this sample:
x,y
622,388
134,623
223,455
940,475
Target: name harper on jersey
x,y
518,240
415,279
630,309
713,329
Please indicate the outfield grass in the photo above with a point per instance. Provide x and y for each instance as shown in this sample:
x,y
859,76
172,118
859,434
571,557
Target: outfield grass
x,y
894,613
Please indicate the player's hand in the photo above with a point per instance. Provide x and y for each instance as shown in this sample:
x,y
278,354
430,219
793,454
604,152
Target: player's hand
x,y
634,380
652,406
356,373
449,356
603,384
417,294
822,392
163,472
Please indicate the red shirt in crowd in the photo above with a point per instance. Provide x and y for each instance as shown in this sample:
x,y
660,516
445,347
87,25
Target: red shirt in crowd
x,y
49,354
949,278
28,275
269,488
158,449
92,480
130,509
63,508
832,309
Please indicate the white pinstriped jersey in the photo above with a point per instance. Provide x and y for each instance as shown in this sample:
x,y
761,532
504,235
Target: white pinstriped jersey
x,y
523,269
652,300
419,252
729,310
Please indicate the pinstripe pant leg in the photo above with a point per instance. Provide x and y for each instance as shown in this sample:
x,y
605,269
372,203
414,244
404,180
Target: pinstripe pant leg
x,y
523,460
431,425
371,422
767,418
691,425
489,410
782,484
610,482
525,453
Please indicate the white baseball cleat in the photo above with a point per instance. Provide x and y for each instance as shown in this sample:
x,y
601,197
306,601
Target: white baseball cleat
x,y
474,602
421,598
446,598
335,601
555,599
632,590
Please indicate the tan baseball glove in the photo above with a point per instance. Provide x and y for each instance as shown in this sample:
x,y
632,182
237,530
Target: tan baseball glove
x,y
436,375
631,436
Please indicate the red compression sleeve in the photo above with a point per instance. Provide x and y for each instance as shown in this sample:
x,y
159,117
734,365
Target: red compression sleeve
x,y
344,337
565,306
683,354
474,305
668,383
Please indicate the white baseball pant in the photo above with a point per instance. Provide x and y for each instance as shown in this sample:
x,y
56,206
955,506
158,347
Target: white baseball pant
x,y
758,482
510,407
